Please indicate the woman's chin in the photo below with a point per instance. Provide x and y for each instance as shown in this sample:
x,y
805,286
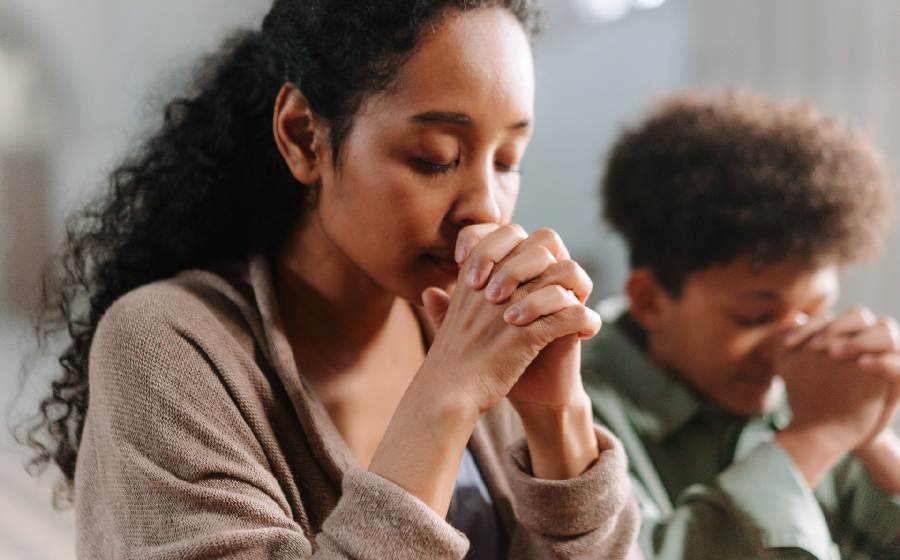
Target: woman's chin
x,y
447,268
429,274
438,272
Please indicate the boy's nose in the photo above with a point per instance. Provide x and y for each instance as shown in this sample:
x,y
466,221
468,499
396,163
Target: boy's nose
x,y
770,347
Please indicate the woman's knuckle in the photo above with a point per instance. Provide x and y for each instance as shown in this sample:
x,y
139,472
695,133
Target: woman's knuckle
x,y
587,281
548,236
544,254
568,267
514,230
526,305
558,291
479,260
508,275
580,312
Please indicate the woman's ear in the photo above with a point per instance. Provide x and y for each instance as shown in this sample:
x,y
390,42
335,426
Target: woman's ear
x,y
647,297
298,134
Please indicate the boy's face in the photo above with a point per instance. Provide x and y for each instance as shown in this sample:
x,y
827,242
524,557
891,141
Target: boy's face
x,y
719,335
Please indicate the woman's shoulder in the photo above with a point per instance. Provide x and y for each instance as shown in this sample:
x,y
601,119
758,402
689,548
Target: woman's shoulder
x,y
207,309
191,302
194,338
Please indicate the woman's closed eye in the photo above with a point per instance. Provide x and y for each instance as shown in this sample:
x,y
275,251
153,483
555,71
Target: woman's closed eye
x,y
507,167
434,167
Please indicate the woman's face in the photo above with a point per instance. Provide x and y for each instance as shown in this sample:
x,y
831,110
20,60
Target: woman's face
x,y
439,151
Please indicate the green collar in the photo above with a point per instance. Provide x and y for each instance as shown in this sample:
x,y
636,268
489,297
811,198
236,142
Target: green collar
x,y
662,404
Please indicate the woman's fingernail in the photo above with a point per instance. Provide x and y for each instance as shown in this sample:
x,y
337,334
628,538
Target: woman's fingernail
x,y
511,314
473,276
460,253
493,291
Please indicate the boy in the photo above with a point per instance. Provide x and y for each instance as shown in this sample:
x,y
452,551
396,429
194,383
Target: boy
x,y
738,213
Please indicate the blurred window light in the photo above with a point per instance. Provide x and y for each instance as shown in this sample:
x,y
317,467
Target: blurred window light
x,y
604,10
18,76
648,4
612,10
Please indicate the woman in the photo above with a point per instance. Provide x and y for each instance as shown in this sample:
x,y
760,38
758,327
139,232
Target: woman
x,y
261,384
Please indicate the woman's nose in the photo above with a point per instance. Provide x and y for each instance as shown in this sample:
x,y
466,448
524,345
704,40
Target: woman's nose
x,y
478,199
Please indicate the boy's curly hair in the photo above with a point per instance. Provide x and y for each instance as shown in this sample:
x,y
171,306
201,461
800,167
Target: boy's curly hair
x,y
707,179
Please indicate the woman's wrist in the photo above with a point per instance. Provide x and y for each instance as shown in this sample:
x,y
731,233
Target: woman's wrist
x,y
423,445
561,440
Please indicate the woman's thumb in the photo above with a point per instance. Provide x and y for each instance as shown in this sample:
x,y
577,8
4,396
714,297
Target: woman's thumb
x,y
436,302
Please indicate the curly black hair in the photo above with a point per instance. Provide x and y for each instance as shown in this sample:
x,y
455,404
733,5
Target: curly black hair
x,y
210,184
710,178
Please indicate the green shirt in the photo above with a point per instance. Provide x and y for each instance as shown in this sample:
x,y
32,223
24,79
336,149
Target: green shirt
x,y
714,485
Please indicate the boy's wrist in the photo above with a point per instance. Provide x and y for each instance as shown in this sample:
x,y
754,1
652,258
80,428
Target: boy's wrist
x,y
814,450
881,459
878,445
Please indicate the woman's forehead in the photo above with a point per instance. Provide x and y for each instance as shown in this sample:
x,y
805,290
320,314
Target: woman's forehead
x,y
477,64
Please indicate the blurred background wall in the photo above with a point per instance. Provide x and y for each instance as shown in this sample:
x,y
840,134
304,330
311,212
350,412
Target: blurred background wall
x,y
81,82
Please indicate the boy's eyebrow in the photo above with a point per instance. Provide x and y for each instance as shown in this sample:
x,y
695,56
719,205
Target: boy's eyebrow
x,y
460,119
770,296
760,294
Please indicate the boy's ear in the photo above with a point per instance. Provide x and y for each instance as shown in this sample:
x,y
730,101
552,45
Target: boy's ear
x,y
648,298
298,134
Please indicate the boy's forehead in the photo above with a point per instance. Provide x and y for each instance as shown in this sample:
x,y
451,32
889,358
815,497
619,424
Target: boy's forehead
x,y
787,280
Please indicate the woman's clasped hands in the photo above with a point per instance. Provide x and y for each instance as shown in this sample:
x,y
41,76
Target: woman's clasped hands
x,y
512,326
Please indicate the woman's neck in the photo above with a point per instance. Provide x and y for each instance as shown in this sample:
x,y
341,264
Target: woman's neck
x,y
357,345
333,312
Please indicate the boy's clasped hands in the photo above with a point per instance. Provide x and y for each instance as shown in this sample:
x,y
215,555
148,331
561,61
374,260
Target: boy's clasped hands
x,y
842,376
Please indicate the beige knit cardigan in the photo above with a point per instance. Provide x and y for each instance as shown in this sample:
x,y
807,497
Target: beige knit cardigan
x,y
202,440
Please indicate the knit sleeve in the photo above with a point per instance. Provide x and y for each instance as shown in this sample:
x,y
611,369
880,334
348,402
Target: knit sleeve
x,y
590,516
169,468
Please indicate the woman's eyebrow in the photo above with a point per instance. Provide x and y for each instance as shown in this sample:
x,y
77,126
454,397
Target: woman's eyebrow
x,y
446,117
459,119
